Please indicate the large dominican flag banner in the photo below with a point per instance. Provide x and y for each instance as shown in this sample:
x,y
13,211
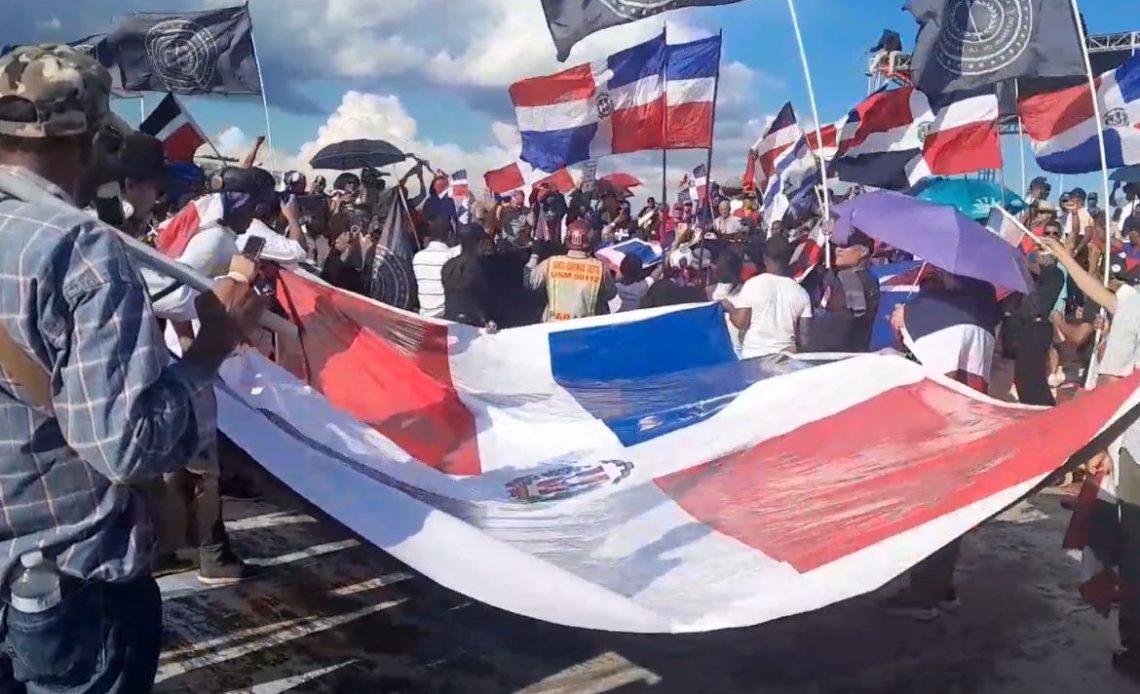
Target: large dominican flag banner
x,y
650,96
606,483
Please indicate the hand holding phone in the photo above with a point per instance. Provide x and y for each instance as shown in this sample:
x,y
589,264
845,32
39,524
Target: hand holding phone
x,y
254,246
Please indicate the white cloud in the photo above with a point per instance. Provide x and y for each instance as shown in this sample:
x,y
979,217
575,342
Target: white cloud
x,y
52,24
381,117
230,139
472,51
373,116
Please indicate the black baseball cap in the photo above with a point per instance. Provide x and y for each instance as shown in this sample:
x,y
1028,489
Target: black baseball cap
x,y
1078,193
255,182
858,238
142,157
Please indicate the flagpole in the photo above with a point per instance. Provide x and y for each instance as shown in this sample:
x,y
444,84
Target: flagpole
x,y
712,123
1020,138
818,129
665,129
1099,132
261,83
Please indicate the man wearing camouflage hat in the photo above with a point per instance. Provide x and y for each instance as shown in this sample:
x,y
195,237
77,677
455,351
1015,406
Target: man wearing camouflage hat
x,y
89,404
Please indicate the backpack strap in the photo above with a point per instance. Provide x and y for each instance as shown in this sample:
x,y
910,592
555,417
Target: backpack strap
x,y
853,292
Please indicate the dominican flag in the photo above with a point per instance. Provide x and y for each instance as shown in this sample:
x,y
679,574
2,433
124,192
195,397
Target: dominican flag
x,y
691,73
807,256
458,186
619,105
1062,124
202,213
783,133
896,138
830,146
649,253
797,173
520,175
181,137
695,188
554,485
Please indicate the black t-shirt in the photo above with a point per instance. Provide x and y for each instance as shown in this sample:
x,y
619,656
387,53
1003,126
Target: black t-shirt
x,y
466,290
670,293
836,328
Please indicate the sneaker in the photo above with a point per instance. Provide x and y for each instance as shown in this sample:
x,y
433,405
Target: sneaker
x,y
226,571
238,489
906,604
1056,379
169,564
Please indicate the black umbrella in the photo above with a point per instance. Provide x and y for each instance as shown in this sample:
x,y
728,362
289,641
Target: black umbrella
x,y
357,154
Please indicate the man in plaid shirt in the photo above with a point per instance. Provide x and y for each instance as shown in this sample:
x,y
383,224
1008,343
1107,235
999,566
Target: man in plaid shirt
x,y
113,412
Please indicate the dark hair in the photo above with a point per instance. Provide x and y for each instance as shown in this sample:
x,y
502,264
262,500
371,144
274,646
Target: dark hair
x,y
730,268
342,181
470,236
631,269
779,250
142,158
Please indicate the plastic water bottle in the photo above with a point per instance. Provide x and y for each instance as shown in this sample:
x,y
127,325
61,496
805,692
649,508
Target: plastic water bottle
x,y
36,588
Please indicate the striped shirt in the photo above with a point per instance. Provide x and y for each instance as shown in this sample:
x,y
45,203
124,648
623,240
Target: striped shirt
x,y
122,413
428,266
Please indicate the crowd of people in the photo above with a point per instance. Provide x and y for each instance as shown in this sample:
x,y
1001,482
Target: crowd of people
x,y
109,448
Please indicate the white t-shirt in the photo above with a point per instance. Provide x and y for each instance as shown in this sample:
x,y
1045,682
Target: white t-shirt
x,y
278,248
209,252
777,303
427,265
723,290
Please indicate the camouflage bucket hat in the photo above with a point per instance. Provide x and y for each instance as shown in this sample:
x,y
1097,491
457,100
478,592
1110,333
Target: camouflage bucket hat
x,y
69,91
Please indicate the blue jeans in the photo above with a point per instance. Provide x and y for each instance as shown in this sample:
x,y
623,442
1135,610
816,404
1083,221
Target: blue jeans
x,y
104,638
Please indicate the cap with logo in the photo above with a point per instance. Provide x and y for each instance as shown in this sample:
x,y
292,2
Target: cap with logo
x,y
577,236
68,92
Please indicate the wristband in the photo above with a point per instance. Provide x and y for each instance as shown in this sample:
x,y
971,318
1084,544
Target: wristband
x,y
237,277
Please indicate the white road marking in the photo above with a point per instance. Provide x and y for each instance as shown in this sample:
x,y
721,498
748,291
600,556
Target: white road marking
x,y
287,683
308,553
371,584
261,638
604,673
269,520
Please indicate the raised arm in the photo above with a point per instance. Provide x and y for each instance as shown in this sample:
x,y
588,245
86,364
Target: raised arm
x,y
120,404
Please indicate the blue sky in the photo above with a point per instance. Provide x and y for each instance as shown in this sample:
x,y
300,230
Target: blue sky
x,y
448,65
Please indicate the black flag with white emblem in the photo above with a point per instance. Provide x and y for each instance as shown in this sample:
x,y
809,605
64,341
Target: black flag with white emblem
x,y
187,53
963,44
570,21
